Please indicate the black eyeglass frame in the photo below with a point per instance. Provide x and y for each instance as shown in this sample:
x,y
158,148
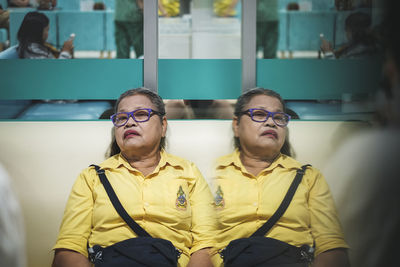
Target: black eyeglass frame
x,y
150,111
271,114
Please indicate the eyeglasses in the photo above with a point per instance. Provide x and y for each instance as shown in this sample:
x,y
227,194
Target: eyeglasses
x,y
261,115
139,115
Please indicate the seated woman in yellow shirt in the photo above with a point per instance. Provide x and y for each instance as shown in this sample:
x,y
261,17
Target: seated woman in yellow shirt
x,y
166,195
252,182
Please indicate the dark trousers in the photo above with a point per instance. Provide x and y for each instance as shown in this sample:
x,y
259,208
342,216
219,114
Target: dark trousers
x,y
128,34
267,37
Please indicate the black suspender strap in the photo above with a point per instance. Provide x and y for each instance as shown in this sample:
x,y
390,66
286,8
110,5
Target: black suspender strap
x,y
263,230
117,204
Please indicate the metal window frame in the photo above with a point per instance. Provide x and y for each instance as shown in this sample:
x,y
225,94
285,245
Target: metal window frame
x,y
150,45
248,44
249,31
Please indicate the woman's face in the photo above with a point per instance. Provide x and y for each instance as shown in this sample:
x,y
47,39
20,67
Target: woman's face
x,y
260,138
139,137
46,33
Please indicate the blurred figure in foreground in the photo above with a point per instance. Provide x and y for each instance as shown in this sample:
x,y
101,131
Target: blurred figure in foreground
x,y
12,245
365,168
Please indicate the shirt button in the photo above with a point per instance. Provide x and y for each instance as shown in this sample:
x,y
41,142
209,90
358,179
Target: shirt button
x,y
146,204
255,204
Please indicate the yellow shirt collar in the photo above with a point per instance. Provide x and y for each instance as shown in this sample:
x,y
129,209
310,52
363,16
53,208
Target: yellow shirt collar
x,y
118,160
234,159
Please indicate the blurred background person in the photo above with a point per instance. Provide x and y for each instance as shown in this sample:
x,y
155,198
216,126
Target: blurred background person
x,y
267,27
32,36
128,22
361,41
99,6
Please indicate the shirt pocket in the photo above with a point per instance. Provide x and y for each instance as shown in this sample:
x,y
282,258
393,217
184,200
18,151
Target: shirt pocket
x,y
177,200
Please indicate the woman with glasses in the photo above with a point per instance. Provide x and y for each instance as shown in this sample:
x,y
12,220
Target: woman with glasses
x,y
251,183
166,195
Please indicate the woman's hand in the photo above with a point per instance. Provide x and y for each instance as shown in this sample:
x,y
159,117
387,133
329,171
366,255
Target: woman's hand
x,y
326,46
200,258
332,258
69,258
68,46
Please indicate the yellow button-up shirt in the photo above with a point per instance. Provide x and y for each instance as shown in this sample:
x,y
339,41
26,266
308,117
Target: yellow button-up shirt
x,y
174,203
244,202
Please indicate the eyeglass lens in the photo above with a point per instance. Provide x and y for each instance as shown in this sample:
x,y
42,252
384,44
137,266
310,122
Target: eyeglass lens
x,y
140,115
260,115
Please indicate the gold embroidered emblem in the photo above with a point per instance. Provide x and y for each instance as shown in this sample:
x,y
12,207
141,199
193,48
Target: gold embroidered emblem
x,y
181,202
219,201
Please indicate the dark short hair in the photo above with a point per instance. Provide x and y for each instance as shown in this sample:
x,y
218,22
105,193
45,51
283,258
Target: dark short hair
x,y
245,98
154,98
31,30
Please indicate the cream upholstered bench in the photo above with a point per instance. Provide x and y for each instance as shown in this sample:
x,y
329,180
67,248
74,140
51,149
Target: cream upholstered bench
x,y
44,158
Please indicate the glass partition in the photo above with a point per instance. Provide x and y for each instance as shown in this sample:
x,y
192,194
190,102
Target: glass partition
x,y
99,29
203,29
199,62
317,28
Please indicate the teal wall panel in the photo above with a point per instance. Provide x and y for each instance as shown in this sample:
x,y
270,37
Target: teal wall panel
x,y
186,79
109,31
319,79
68,4
68,79
199,78
89,28
304,29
